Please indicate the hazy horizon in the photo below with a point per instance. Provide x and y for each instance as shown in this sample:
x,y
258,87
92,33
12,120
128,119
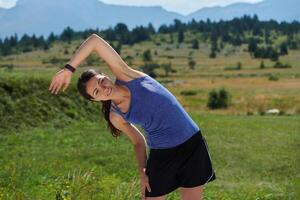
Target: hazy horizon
x,y
183,7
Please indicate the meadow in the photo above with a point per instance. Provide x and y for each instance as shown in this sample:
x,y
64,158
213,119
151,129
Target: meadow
x,y
58,147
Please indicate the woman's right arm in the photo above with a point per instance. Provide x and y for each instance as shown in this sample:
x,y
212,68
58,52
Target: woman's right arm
x,y
139,143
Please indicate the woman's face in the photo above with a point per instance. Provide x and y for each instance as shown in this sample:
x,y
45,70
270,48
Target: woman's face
x,y
100,87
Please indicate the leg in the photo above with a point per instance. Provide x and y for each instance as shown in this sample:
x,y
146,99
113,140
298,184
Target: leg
x,y
156,198
194,193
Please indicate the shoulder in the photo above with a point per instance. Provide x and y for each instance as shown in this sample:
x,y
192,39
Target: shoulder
x,y
117,120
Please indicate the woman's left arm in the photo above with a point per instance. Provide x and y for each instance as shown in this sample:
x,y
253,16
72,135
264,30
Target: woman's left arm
x,y
95,43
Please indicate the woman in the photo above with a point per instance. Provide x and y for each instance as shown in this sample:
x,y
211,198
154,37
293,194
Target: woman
x,y
178,156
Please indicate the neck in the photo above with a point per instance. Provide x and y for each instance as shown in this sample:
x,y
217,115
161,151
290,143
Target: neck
x,y
121,94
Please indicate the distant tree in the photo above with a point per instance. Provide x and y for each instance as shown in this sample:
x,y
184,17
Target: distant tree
x,y
121,29
283,49
119,47
252,45
178,25
218,99
167,68
139,34
171,38
192,64
150,29
195,44
147,56
66,51
262,65
239,66
180,36
149,68
109,34
163,29
51,37
213,54
67,34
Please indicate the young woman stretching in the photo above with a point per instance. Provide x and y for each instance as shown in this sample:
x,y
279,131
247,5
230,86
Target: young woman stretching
x,y
178,156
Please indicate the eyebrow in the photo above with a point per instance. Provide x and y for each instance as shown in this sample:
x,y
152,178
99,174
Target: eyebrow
x,y
96,88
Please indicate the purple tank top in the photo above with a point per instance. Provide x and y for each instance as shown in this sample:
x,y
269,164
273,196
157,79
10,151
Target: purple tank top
x,y
158,112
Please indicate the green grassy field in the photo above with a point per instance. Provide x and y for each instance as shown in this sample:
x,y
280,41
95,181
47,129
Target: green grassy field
x,y
255,157
57,147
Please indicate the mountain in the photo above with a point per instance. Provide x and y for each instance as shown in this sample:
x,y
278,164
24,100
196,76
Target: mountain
x,y
2,11
42,17
280,10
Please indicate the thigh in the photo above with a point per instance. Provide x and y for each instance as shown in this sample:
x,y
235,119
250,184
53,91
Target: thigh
x,y
161,170
197,169
195,193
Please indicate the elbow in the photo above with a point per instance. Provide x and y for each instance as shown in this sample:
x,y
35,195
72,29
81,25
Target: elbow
x,y
95,37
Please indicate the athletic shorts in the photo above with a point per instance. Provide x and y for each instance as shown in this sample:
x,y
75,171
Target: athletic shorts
x,y
185,165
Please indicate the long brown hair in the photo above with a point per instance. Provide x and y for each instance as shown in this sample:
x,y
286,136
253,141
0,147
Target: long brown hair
x,y
81,86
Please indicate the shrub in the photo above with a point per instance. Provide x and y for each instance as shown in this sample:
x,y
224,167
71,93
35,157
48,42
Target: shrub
x,y
149,68
237,67
192,64
188,92
218,99
281,65
262,65
273,77
147,55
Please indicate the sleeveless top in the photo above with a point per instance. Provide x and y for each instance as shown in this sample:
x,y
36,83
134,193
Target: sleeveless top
x,y
158,112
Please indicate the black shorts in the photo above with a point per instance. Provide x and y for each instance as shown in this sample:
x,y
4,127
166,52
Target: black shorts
x,y
186,165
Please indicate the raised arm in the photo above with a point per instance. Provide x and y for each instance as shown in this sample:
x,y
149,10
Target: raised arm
x,y
95,43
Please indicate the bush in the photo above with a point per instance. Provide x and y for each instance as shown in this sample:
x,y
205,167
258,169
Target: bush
x,y
281,65
237,67
188,92
26,102
218,99
149,68
273,77
262,65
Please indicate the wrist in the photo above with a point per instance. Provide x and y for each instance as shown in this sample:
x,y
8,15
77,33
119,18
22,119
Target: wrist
x,y
69,68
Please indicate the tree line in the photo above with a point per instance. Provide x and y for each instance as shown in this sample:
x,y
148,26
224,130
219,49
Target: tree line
x,y
258,35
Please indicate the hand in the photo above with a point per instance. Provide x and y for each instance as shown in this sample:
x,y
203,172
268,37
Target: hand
x,y
61,79
144,183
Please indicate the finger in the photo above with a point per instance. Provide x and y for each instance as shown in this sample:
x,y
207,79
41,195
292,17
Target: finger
x,y
52,83
148,187
58,88
54,87
65,86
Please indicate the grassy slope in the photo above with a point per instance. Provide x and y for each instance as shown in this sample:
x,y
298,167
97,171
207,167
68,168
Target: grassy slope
x,y
255,157
250,88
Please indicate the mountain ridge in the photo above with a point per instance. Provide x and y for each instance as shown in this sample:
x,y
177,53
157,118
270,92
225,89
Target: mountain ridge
x,y
81,14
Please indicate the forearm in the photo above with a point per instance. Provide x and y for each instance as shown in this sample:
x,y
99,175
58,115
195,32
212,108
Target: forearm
x,y
85,49
141,155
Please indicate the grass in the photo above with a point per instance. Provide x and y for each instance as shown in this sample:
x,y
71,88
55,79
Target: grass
x,y
255,157
71,155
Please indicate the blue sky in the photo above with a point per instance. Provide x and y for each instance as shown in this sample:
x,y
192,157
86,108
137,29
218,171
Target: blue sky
x,y
180,6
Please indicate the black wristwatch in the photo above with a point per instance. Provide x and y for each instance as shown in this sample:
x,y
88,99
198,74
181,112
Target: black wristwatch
x,y
69,67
